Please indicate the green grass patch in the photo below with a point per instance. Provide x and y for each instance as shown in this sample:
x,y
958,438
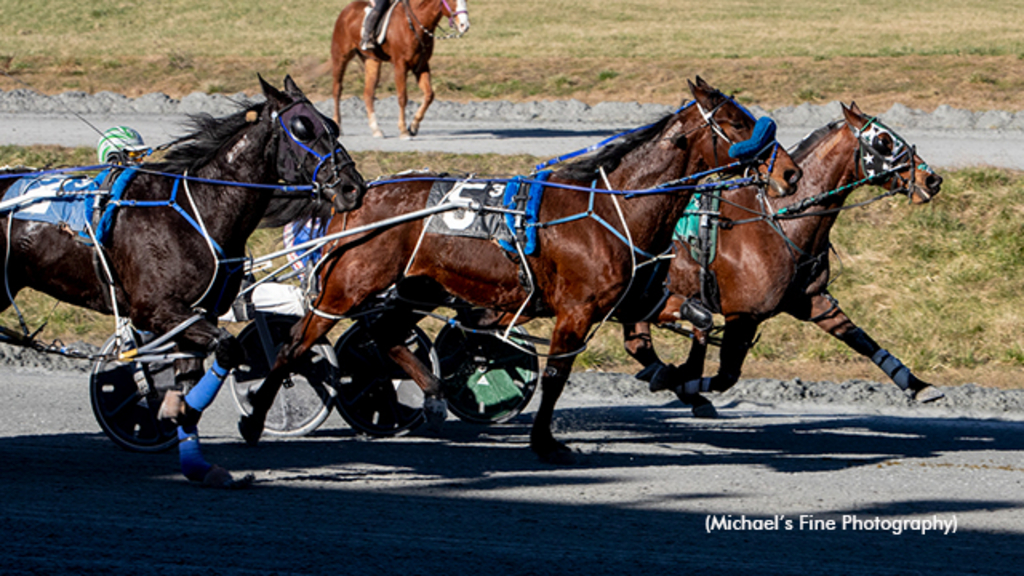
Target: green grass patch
x,y
938,284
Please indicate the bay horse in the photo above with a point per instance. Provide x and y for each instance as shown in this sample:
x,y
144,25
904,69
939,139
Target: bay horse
x,y
767,265
409,44
178,234
581,268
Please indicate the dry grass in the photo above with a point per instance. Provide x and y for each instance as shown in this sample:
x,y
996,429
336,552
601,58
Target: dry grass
x,y
938,285
919,53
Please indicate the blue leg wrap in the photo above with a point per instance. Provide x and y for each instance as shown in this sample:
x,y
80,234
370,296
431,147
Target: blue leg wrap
x,y
193,466
203,393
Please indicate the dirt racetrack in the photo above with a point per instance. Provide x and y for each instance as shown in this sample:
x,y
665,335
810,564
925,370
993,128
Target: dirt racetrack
x,y
795,478
922,490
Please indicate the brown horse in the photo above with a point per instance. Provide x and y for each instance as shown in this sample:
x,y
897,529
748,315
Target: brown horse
x,y
581,268
408,46
767,265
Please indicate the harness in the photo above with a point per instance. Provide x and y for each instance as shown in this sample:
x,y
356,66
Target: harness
x,y
289,167
600,185
699,226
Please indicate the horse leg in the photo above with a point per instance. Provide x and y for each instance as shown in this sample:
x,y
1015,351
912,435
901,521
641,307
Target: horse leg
x,y
401,72
737,339
830,318
567,338
423,79
185,409
369,89
338,66
304,334
636,339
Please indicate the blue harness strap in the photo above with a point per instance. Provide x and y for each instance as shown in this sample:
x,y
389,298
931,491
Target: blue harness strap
x,y
529,203
116,194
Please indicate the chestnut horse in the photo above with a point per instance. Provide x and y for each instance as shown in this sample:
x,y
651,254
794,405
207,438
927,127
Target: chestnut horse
x,y
581,268
408,46
769,265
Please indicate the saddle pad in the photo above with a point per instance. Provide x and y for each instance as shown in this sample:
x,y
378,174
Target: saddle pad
x,y
58,200
507,229
699,226
468,223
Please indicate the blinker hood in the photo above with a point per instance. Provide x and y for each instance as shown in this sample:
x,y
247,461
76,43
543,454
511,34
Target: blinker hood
x,y
763,137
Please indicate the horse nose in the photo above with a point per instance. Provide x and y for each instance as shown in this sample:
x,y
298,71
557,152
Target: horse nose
x,y
933,182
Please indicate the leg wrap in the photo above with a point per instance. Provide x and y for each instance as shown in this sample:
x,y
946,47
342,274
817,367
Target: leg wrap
x,y
193,466
203,393
696,386
892,366
860,342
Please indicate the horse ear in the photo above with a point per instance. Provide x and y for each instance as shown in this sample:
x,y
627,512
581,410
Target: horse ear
x,y
290,85
854,117
702,92
273,95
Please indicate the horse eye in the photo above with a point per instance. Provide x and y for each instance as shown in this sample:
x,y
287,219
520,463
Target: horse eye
x,y
882,143
302,128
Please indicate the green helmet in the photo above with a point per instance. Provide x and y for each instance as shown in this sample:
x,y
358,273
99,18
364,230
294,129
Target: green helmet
x,y
117,139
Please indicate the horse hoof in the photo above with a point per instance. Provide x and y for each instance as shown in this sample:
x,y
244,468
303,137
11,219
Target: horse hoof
x,y
250,430
560,455
173,406
928,394
405,136
378,134
436,411
699,405
705,411
218,477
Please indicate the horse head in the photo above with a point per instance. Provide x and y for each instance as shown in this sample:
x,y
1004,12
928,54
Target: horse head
x,y
307,150
458,18
884,155
735,133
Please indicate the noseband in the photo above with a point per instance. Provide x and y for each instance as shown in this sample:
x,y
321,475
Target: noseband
x,y
338,157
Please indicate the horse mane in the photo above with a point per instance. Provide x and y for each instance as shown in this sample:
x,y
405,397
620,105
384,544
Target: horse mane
x,y
801,149
205,141
610,156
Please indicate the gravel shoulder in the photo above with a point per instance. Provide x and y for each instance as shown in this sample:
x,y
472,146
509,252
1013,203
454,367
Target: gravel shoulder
x,y
946,138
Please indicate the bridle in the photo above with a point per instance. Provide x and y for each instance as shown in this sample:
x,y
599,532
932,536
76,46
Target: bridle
x,y
290,165
717,132
410,16
875,163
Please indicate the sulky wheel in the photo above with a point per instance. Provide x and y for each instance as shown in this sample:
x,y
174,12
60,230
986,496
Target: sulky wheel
x,y
486,380
304,401
375,396
126,397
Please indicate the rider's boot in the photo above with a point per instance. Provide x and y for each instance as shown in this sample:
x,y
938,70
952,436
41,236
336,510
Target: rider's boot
x,y
369,40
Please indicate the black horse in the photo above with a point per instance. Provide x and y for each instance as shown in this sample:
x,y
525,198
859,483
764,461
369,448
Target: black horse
x,y
177,235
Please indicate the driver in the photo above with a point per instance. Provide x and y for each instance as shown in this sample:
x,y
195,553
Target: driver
x,y
121,145
377,7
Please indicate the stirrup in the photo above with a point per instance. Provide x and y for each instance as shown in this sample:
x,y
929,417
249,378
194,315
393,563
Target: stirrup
x,y
696,313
